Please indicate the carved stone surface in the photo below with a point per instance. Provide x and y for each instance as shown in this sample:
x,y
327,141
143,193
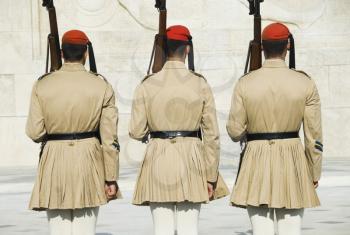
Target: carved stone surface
x,y
122,32
7,95
297,12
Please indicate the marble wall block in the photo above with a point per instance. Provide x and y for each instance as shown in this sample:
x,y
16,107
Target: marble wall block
x,y
16,148
340,86
336,131
7,95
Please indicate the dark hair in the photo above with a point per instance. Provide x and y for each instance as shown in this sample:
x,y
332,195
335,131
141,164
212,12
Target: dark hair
x,y
274,48
73,52
176,47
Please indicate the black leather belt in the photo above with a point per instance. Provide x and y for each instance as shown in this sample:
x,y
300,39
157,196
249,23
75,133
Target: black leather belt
x,y
174,134
272,136
72,136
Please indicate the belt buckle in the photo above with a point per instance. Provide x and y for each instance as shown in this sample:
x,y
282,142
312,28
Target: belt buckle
x,y
74,136
271,140
172,136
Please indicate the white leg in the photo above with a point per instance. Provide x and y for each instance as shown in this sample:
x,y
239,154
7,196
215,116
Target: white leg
x,y
60,222
84,221
289,221
163,218
187,218
262,220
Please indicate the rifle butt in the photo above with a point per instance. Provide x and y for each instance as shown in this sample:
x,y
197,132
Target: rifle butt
x,y
54,41
256,56
160,42
159,54
162,22
55,54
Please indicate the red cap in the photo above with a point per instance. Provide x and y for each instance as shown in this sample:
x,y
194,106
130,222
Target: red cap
x,y
75,37
178,32
275,31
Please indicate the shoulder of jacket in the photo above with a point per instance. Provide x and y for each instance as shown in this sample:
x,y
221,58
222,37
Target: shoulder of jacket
x,y
245,75
147,76
99,76
198,75
302,72
43,76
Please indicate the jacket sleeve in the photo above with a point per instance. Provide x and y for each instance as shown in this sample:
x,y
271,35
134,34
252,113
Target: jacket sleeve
x,y
211,135
108,133
237,122
313,132
35,127
138,127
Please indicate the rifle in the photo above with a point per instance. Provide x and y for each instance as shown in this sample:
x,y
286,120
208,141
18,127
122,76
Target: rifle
x,y
254,57
158,56
243,144
53,41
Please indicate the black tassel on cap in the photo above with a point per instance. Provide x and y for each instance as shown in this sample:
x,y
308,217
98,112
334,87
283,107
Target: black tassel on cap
x,y
92,61
191,56
291,52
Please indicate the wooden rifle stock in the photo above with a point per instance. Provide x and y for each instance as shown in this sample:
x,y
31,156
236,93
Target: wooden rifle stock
x,y
254,57
53,39
159,49
160,43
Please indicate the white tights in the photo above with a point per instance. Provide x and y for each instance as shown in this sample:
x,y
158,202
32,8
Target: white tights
x,y
288,220
73,222
184,213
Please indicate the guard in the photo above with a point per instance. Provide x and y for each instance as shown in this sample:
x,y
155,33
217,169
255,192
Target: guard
x,y
73,114
277,175
174,112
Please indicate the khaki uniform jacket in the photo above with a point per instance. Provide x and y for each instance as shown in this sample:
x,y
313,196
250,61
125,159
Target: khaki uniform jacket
x,y
278,173
178,169
72,174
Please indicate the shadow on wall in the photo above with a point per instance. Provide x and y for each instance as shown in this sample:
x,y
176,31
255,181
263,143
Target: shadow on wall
x,y
249,232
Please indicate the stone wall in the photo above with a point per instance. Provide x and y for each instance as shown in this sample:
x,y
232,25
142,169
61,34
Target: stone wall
x,y
122,33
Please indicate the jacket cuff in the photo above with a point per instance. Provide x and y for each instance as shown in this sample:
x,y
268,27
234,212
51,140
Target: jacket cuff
x,y
316,177
212,178
213,184
111,182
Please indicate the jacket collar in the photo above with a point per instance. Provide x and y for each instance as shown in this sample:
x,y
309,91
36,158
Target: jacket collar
x,y
71,67
274,63
172,64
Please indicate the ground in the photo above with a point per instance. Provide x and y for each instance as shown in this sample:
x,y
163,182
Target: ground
x,y
122,218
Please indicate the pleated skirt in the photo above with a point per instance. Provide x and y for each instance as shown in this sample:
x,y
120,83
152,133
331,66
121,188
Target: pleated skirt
x,y
275,173
70,176
174,171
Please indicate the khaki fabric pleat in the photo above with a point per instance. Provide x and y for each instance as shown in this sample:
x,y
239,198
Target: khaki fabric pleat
x,y
172,172
71,175
280,179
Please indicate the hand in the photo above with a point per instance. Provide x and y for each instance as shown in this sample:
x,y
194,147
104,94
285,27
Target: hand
x,y
111,189
210,190
315,184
